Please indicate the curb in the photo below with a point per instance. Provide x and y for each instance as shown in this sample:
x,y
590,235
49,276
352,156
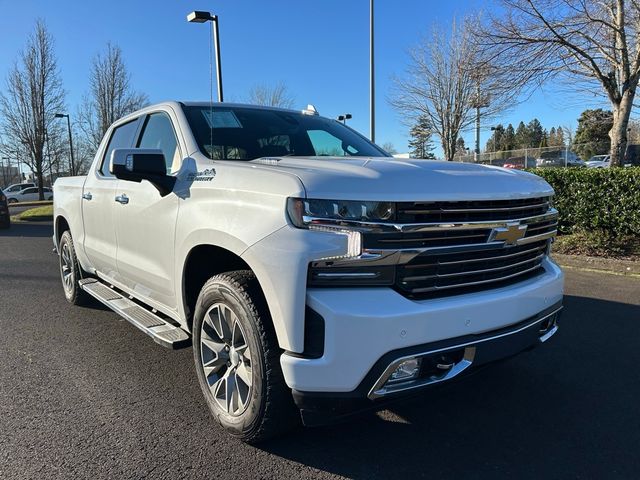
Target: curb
x,y
44,203
599,264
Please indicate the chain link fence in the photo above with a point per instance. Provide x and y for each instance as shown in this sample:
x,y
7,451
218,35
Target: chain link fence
x,y
530,157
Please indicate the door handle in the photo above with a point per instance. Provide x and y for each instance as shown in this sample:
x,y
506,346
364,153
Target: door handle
x,y
87,196
123,199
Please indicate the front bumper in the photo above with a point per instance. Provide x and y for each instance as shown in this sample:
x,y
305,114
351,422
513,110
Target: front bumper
x,y
473,351
363,324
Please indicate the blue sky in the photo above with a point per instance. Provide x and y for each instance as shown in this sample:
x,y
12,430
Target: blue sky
x,y
318,48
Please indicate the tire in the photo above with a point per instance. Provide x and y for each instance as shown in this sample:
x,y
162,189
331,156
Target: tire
x,y
235,343
12,200
70,272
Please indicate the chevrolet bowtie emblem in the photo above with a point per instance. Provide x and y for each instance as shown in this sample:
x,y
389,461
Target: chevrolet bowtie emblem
x,y
509,234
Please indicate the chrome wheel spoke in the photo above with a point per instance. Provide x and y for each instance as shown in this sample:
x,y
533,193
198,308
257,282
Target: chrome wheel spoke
x,y
219,323
243,372
237,340
231,393
226,359
66,267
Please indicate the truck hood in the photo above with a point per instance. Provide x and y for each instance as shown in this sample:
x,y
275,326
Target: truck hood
x,y
392,179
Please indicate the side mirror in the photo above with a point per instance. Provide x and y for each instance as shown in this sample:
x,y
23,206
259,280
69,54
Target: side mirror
x,y
137,164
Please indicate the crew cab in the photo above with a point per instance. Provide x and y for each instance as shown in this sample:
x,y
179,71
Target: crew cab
x,y
314,275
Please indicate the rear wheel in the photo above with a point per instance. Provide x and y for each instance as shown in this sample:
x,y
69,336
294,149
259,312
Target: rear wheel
x,y
70,271
238,359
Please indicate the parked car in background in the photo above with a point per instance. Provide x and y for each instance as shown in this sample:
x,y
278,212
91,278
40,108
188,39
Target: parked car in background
x,y
598,161
5,220
520,162
16,187
559,158
29,195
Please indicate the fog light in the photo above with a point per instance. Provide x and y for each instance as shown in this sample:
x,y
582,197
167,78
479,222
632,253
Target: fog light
x,y
407,370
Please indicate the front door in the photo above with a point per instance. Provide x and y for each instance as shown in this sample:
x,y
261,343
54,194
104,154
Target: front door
x,y
98,206
145,221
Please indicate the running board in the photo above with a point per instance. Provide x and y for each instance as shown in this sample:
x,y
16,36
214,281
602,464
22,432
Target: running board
x,y
160,330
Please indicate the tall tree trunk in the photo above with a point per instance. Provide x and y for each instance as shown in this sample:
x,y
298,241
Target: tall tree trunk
x,y
39,176
618,133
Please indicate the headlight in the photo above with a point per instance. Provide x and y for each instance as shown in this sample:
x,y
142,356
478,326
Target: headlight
x,y
304,212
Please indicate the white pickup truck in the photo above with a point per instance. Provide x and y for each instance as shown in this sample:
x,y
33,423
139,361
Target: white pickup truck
x,y
314,275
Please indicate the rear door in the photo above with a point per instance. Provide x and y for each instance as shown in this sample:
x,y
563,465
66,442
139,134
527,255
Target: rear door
x,y
145,224
98,204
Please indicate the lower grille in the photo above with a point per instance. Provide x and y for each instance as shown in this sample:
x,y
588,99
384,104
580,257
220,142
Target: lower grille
x,y
437,274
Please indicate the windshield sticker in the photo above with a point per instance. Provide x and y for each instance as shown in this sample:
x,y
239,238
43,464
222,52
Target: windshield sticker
x,y
203,176
221,119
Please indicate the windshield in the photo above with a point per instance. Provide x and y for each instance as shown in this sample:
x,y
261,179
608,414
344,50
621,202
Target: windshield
x,y
244,133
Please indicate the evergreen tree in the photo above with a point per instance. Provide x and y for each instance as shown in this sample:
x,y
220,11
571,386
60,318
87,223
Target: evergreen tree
x,y
461,149
421,144
508,138
522,137
536,133
545,139
560,137
592,135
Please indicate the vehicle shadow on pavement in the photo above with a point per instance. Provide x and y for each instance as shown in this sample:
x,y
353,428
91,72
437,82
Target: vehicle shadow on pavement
x,y
567,409
25,229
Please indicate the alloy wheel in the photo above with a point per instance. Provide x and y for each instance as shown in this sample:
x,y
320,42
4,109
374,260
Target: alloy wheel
x,y
226,359
66,267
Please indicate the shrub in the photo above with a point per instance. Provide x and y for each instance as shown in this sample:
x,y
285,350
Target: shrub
x,y
604,199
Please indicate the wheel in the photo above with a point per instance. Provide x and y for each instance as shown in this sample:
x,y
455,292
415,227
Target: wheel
x,y
238,359
70,271
12,200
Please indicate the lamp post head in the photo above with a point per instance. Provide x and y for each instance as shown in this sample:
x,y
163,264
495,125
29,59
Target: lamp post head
x,y
61,115
198,16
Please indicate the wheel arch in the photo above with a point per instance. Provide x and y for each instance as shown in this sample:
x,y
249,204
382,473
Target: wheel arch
x,y
201,263
60,226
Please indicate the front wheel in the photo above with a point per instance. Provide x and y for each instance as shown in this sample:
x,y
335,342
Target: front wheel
x,y
238,359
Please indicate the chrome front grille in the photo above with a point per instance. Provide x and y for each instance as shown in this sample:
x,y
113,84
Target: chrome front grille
x,y
430,274
471,211
434,249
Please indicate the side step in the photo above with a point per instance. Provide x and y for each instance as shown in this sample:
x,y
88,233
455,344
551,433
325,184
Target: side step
x,y
160,330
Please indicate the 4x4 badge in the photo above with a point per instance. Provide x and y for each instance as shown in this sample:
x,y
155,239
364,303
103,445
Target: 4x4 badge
x,y
509,234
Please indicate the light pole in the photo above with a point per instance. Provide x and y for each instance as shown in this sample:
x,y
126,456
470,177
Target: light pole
x,y
372,80
202,17
344,117
72,161
493,144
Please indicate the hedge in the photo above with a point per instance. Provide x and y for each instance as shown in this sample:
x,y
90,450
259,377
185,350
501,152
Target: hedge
x,y
606,199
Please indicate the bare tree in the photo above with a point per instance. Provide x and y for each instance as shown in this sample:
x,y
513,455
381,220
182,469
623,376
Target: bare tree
x,y
594,44
110,96
33,95
277,95
390,148
447,82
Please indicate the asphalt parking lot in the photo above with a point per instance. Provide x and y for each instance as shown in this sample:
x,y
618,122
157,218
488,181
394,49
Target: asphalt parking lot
x,y
83,394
